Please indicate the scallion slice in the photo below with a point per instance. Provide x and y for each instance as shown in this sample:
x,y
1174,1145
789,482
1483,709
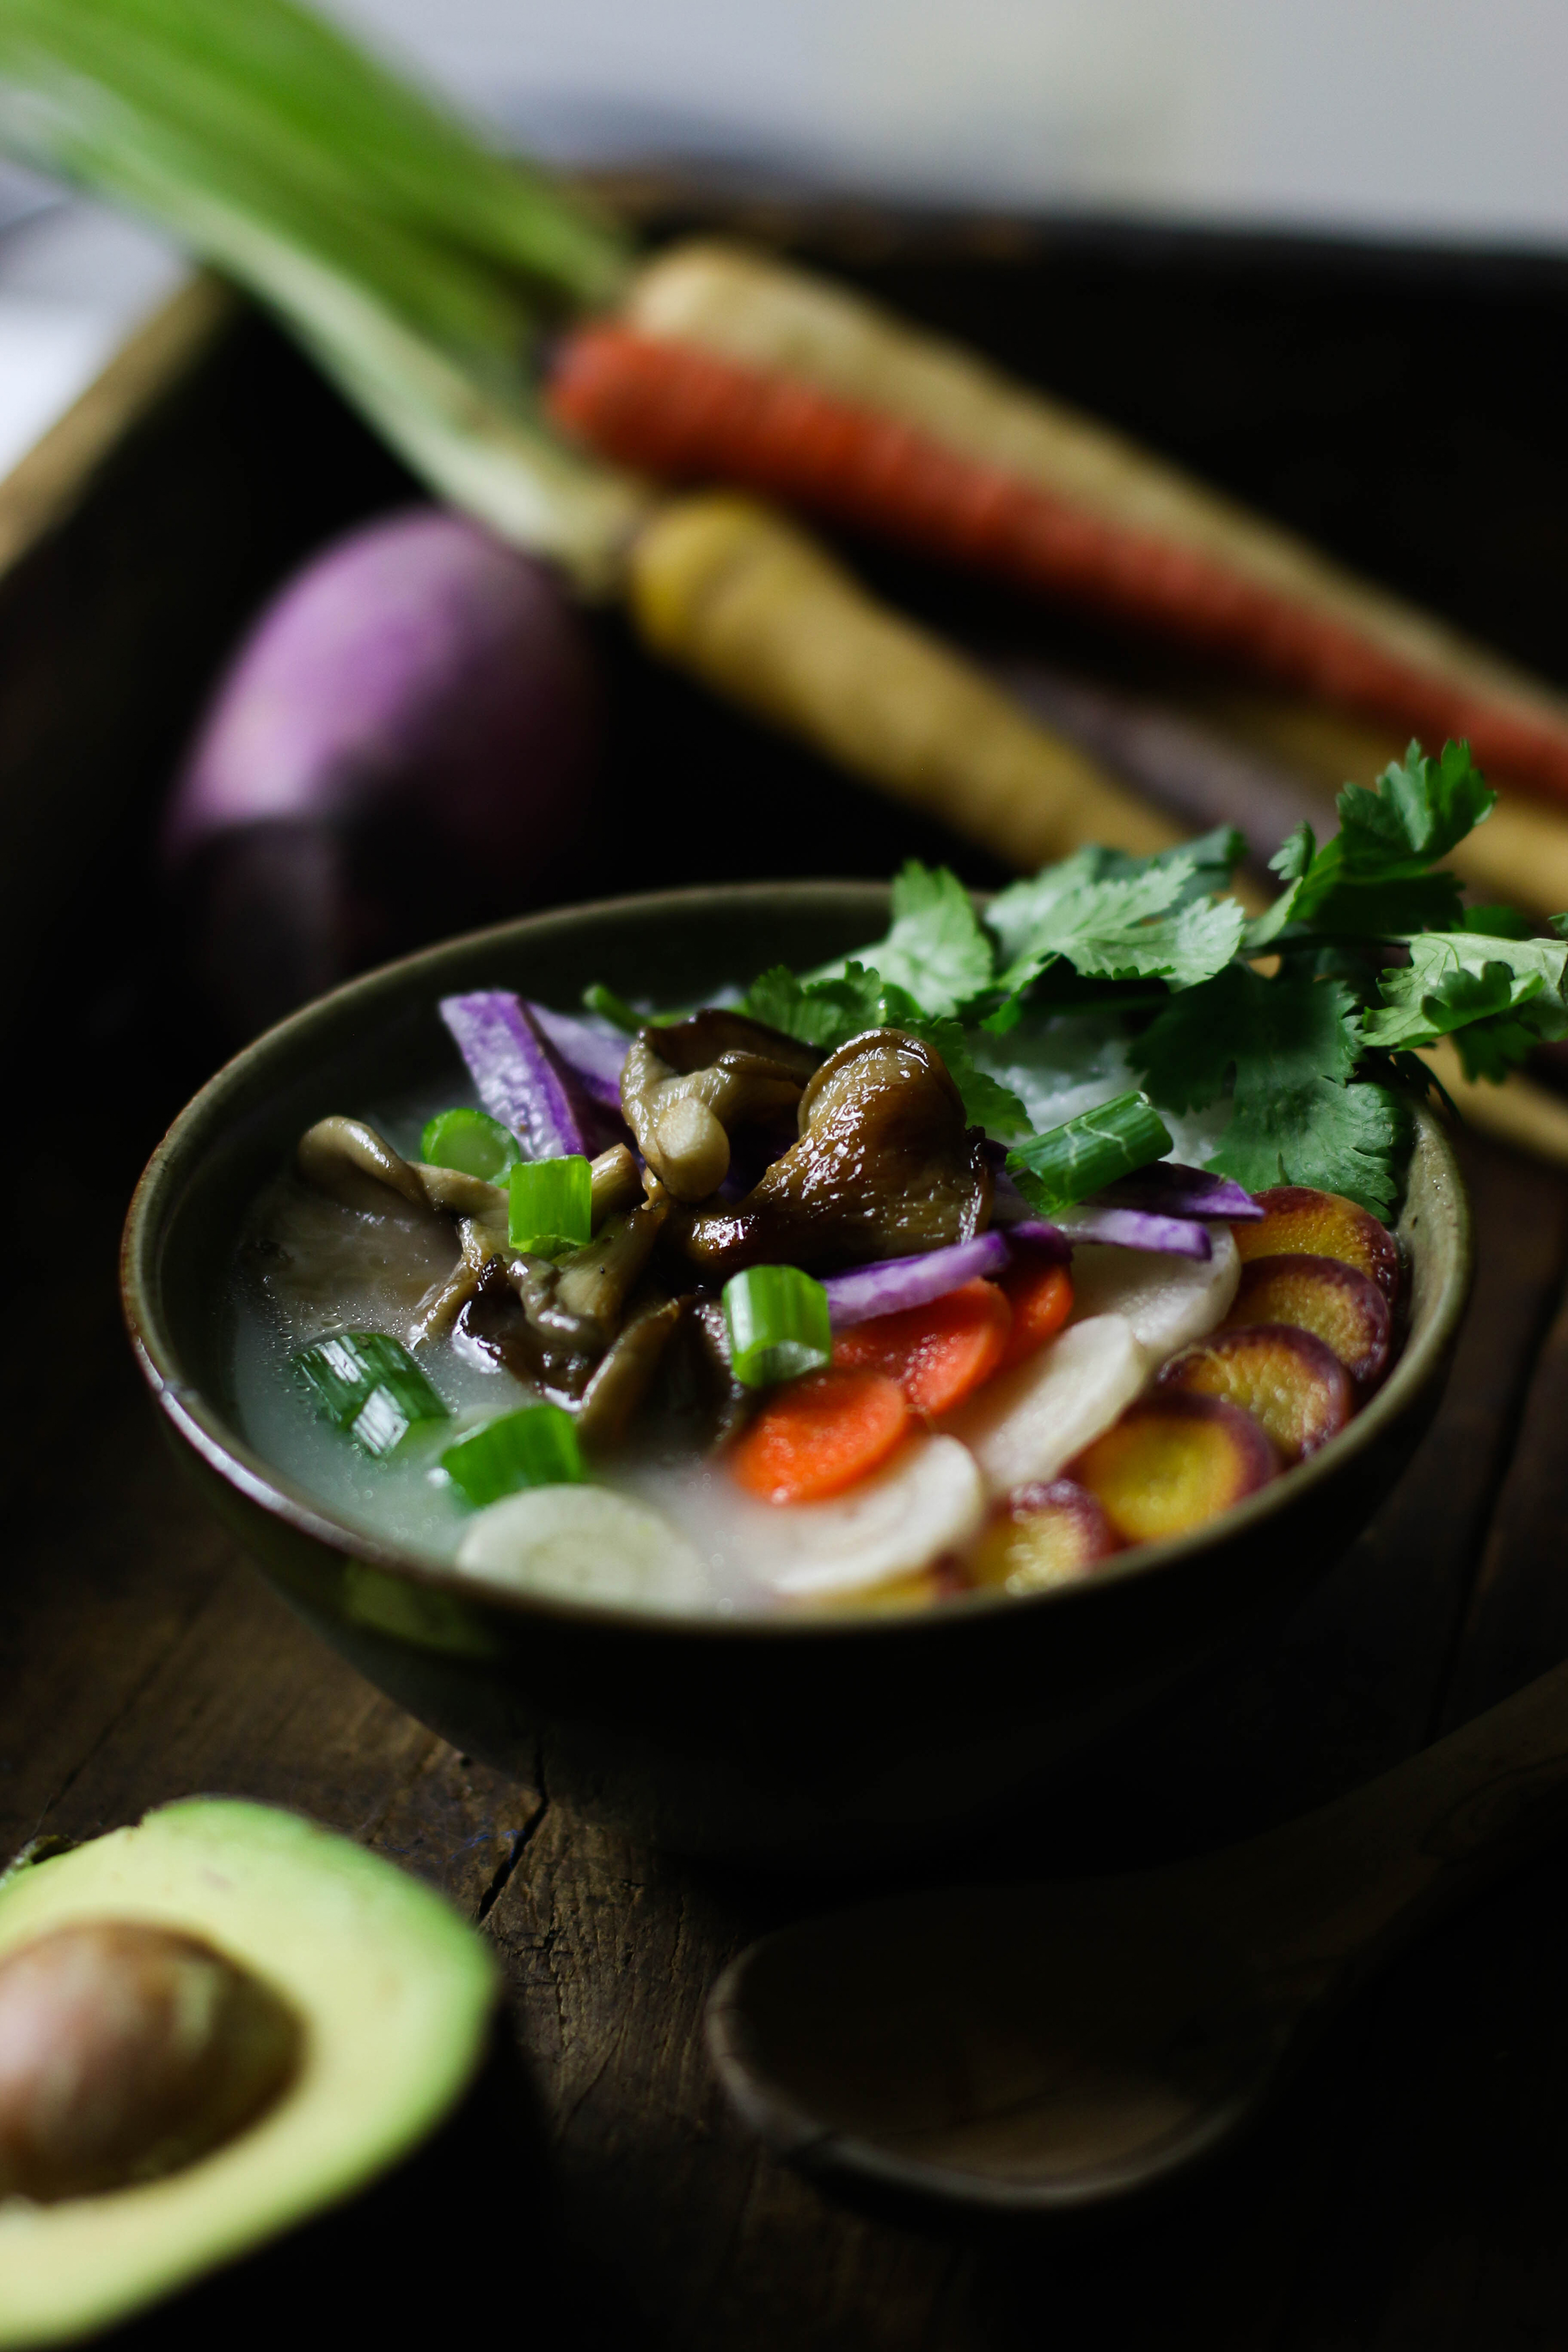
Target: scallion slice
x,y
778,1324
610,1007
471,1141
551,1205
1070,1161
369,1386
535,1446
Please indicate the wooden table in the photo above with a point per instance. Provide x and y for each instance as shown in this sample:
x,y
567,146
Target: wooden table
x,y
1411,2187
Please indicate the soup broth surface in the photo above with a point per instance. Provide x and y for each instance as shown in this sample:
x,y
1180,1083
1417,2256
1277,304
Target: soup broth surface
x,y
307,1267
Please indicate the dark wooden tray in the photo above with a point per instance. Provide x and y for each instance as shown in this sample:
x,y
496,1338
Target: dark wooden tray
x,y
1404,409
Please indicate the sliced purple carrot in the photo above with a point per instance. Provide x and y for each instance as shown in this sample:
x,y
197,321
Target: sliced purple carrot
x,y
598,1055
522,1081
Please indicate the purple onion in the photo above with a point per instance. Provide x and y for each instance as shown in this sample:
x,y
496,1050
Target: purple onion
x,y
521,1080
887,1288
1134,1229
404,745
1044,1240
596,1058
1172,1190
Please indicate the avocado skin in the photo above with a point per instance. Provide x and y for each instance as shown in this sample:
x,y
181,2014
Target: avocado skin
x,y
465,2228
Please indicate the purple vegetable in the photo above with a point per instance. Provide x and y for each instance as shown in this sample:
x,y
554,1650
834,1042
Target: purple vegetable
x,y
1047,1241
1173,1190
868,1291
1135,1229
521,1080
596,1057
403,746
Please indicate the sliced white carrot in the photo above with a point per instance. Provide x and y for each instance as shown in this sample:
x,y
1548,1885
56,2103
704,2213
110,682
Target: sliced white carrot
x,y
584,1543
1169,1301
929,1500
1027,1424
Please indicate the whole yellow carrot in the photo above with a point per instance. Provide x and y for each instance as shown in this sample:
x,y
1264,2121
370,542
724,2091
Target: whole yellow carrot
x,y
723,365
724,588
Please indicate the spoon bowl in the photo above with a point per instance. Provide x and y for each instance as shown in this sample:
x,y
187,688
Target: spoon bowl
x,y
1038,2048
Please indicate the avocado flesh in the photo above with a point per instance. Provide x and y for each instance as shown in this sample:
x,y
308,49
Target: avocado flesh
x,y
395,1993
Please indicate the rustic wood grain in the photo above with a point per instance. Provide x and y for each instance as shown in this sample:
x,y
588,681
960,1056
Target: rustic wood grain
x,y
141,1658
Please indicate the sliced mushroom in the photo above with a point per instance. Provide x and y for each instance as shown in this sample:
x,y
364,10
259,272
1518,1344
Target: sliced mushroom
x,y
493,1328
684,1088
480,1246
700,1383
576,1302
624,1375
885,1166
348,1159
460,1194
617,1181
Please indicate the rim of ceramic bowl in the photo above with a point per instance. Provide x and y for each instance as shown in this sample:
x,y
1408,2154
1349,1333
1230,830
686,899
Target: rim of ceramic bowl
x,y
209,1431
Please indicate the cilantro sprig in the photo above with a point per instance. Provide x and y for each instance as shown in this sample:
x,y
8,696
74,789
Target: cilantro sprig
x,y
1302,1026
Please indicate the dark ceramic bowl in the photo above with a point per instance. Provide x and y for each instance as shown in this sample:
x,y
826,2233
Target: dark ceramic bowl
x,y
791,1740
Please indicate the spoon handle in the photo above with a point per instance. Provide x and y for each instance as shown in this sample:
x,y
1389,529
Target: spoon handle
x,y
1336,1889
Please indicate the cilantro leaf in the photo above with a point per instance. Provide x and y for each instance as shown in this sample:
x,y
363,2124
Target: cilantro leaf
x,y
1499,996
1116,918
1372,880
827,1013
1288,1048
987,1102
823,1013
1419,810
936,950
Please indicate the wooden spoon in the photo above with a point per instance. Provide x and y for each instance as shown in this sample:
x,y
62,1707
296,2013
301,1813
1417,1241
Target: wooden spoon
x,y
1035,2047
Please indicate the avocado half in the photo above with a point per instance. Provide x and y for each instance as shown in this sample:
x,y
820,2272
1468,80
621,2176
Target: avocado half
x,y
393,1991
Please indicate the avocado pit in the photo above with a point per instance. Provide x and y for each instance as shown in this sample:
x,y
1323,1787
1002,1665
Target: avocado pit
x,y
127,2051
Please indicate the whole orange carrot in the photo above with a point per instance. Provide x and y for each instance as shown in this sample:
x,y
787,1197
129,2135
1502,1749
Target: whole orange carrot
x,y
671,408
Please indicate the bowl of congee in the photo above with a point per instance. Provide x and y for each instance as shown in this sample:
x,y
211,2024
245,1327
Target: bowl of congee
x,y
793,1364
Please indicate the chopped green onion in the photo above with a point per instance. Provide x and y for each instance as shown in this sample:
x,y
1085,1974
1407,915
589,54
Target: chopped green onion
x,y
1086,1153
610,1007
369,1386
535,1446
551,1205
778,1324
472,1142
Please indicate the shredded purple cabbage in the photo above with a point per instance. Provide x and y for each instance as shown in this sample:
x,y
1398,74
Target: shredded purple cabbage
x,y
521,1080
869,1291
1172,1190
1044,1240
597,1056
1133,1229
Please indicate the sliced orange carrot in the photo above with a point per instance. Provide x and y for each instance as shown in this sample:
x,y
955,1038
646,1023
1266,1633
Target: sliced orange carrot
x,y
1040,1295
819,1435
938,1353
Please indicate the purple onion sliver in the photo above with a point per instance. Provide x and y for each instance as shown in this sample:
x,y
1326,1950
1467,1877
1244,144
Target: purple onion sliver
x,y
1137,1229
1172,1190
1045,1240
518,1077
596,1055
869,1291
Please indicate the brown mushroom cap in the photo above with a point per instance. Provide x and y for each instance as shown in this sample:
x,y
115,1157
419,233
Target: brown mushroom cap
x,y
685,1089
885,1166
